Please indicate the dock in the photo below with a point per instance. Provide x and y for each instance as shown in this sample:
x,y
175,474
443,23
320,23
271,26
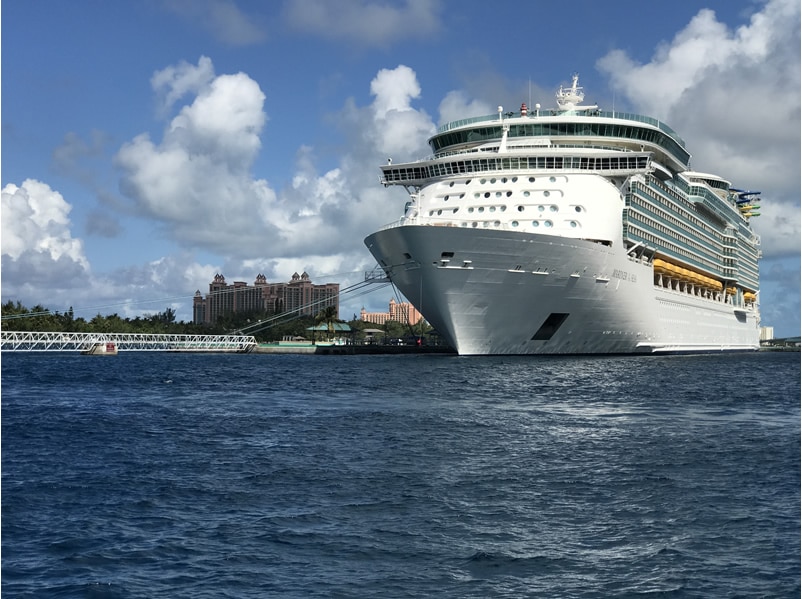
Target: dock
x,y
112,343
329,349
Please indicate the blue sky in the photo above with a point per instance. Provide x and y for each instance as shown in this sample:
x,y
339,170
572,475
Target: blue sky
x,y
149,144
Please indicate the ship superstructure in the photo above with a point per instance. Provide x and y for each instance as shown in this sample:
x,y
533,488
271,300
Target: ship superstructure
x,y
572,230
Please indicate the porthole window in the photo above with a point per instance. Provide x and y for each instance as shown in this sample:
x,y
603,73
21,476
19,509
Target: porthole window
x,y
487,194
455,210
481,208
498,194
467,181
553,208
578,208
553,179
509,193
541,208
496,223
445,199
514,223
531,179
503,208
482,181
470,209
477,195
573,224
439,213
526,194
493,180
504,179
520,208
546,193
547,223
474,224
535,223
514,179
462,195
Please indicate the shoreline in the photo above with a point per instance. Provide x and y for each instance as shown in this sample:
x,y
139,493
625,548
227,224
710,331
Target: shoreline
x,y
331,349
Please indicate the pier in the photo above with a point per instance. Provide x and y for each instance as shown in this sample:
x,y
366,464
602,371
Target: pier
x,y
29,341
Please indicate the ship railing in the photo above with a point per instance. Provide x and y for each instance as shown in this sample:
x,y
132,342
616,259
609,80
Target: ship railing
x,y
515,149
493,224
406,175
626,116
397,223
704,198
702,244
675,248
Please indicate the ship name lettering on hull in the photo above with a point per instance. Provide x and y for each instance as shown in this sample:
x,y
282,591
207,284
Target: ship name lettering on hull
x,y
624,275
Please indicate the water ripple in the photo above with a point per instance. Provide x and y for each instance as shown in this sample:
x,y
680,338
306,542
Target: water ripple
x,y
403,476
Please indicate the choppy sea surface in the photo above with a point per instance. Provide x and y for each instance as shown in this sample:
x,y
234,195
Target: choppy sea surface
x,y
185,475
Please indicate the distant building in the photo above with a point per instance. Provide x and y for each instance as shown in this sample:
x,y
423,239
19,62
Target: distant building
x,y
299,296
400,312
766,333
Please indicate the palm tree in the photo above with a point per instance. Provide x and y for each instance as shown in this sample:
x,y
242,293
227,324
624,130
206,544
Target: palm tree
x,y
329,316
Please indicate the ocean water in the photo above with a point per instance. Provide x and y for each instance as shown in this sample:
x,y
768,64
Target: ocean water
x,y
181,475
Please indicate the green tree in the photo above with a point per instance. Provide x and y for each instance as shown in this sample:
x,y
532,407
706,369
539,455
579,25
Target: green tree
x,y
329,316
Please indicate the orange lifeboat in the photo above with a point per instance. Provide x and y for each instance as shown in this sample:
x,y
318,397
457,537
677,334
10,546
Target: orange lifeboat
x,y
660,266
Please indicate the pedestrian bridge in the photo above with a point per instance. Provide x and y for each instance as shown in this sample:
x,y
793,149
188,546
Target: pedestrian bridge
x,y
49,341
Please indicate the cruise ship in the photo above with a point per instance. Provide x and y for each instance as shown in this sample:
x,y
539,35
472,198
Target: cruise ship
x,y
572,230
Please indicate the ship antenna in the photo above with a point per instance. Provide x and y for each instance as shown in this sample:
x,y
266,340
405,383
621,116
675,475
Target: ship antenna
x,y
530,91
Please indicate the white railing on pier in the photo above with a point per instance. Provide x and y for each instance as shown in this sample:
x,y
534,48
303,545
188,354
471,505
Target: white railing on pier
x,y
52,341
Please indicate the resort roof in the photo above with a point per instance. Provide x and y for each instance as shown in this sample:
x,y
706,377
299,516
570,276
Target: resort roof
x,y
335,326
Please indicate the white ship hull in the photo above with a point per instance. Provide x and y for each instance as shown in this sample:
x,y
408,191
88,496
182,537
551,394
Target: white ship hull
x,y
506,292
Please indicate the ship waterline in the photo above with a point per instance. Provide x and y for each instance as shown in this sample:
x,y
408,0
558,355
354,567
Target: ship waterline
x,y
568,232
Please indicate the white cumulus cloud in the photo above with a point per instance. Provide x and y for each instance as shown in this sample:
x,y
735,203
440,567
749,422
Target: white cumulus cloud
x,y
457,105
734,97
36,221
173,82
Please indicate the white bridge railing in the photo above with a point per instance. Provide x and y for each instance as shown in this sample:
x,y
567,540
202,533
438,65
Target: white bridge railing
x,y
50,341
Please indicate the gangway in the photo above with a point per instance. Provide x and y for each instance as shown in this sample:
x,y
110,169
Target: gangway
x,y
53,341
